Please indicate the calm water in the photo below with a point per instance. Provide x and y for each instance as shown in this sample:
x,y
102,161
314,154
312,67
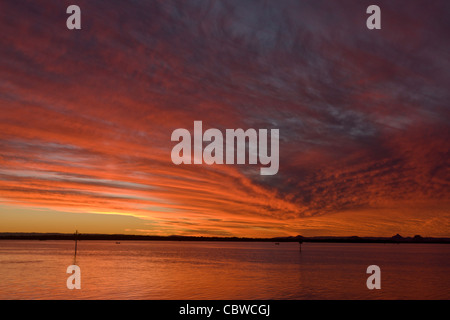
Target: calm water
x,y
222,270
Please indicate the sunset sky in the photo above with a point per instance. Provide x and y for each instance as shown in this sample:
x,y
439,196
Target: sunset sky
x,y
86,117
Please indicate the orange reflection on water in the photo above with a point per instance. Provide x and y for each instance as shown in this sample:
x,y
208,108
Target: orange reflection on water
x,y
222,270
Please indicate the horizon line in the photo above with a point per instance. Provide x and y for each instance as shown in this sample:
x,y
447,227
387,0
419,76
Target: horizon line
x,y
352,237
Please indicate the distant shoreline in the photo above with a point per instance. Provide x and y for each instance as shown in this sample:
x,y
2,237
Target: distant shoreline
x,y
125,237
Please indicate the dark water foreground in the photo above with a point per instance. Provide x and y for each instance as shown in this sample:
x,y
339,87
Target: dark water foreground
x,y
222,270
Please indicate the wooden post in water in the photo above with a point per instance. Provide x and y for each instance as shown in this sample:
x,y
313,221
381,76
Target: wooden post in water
x,y
76,243
300,243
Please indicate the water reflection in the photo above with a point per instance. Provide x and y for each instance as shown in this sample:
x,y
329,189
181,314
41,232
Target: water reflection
x,y
222,270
